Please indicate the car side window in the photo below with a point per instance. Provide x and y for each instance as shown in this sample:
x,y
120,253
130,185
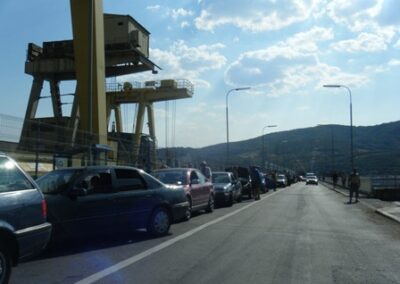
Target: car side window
x,y
129,179
151,182
194,179
201,177
11,177
97,182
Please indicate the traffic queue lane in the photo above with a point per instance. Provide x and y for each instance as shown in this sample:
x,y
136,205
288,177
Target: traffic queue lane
x,y
296,235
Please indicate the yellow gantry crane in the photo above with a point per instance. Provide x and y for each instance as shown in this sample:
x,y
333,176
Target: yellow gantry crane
x,y
103,46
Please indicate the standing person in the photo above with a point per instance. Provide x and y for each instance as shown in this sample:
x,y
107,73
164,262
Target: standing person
x,y
274,180
343,176
256,182
205,170
355,183
334,178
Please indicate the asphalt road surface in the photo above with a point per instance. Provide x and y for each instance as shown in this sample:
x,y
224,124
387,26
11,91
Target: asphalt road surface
x,y
300,234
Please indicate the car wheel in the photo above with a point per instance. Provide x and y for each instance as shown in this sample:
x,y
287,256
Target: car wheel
x,y
188,213
5,264
210,206
239,199
230,200
159,223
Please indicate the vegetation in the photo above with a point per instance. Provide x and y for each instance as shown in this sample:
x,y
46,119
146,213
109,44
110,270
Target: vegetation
x,y
321,149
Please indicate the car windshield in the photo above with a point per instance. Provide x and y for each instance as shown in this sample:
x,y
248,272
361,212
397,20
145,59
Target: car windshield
x,y
220,178
172,177
57,181
11,177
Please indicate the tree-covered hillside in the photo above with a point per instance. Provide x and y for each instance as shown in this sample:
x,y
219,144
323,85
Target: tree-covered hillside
x,y
322,149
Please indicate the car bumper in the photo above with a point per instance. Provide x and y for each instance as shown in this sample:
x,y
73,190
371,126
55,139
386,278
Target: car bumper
x,y
222,197
179,211
312,182
33,240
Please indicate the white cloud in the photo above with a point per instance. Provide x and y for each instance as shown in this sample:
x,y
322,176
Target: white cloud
x,y
181,61
177,13
397,44
185,24
153,7
290,66
394,62
365,15
260,16
364,42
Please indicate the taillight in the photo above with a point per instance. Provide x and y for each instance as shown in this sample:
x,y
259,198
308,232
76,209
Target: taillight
x,y
44,209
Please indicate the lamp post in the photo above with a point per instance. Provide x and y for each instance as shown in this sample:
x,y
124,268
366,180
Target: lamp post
x,y
263,144
227,120
351,121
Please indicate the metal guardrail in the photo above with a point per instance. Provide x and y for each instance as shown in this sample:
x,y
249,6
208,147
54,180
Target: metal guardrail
x,y
178,84
385,182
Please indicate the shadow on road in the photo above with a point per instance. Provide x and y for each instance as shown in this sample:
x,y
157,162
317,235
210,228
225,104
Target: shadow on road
x,y
86,244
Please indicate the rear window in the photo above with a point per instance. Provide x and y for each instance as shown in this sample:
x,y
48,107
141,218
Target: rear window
x,y
11,177
128,179
57,181
171,177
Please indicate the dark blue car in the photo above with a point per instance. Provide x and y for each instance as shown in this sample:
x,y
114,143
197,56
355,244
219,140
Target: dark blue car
x,y
24,231
93,200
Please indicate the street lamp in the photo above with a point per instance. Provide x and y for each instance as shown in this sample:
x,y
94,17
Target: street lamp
x,y
351,121
263,144
227,120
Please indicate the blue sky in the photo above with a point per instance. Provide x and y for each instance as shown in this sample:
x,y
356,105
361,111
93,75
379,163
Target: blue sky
x,y
284,50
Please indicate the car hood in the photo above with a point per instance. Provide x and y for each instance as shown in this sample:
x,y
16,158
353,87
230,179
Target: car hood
x,y
221,186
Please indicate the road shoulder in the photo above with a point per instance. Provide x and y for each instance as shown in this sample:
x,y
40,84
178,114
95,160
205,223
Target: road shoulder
x,y
388,209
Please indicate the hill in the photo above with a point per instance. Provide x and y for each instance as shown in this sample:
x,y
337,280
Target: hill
x,y
320,148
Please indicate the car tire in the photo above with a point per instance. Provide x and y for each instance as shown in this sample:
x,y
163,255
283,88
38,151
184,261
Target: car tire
x,y
159,222
188,213
239,199
230,200
211,204
5,263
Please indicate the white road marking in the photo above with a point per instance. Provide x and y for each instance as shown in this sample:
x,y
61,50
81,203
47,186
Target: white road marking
x,y
129,261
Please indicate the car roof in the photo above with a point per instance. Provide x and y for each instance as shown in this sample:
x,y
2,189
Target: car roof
x,y
174,169
99,168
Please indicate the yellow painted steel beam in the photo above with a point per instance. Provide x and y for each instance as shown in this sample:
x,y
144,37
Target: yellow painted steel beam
x,y
81,32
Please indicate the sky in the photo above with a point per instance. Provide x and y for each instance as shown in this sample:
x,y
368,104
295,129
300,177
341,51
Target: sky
x,y
285,51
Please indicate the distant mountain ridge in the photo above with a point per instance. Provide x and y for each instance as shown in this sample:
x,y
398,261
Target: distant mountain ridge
x,y
321,148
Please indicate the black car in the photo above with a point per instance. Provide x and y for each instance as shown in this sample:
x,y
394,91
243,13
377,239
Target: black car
x,y
243,175
97,199
227,188
24,231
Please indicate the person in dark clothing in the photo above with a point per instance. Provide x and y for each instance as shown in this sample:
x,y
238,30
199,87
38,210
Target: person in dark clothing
x,y
334,179
274,180
355,183
256,182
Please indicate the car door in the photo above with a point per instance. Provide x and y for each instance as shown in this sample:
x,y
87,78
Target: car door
x,y
84,208
204,188
135,201
195,188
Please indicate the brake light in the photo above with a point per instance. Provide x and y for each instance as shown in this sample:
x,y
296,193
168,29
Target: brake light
x,y
44,208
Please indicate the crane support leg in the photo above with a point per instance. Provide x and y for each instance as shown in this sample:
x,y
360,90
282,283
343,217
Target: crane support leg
x,y
152,130
138,131
56,98
118,118
90,66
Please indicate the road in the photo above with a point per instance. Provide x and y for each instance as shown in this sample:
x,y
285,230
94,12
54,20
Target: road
x,y
300,234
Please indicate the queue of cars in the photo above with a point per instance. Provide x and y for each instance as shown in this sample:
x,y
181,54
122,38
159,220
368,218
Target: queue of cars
x,y
78,202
